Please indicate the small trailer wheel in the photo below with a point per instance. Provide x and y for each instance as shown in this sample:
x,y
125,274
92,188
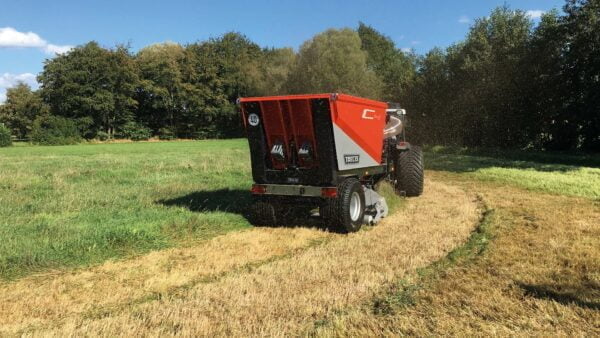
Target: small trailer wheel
x,y
345,213
409,172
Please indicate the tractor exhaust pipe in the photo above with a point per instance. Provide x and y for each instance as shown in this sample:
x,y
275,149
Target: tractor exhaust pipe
x,y
393,127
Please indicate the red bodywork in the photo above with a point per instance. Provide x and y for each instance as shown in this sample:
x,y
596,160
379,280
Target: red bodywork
x,y
289,117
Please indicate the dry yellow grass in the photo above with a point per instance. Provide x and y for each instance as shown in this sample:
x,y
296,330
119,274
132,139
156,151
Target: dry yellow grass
x,y
540,276
175,292
47,299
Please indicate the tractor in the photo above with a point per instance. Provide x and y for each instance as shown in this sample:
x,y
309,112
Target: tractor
x,y
327,152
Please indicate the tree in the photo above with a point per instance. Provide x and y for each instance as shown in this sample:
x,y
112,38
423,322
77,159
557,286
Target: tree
x,y
22,106
427,100
218,72
582,72
394,68
161,93
333,61
489,73
547,94
54,130
204,91
92,85
473,93
275,68
5,136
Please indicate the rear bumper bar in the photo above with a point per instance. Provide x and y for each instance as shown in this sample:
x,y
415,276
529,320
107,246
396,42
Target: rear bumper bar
x,y
293,190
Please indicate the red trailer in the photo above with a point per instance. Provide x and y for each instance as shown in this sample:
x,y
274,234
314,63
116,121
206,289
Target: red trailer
x,y
327,150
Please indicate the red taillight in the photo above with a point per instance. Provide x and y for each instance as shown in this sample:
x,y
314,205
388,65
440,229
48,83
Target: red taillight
x,y
258,189
329,192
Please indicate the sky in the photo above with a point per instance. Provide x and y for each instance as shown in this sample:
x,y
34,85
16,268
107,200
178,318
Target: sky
x,y
33,31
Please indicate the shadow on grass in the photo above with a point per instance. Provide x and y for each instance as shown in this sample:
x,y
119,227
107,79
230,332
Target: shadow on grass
x,y
234,201
239,202
570,297
460,163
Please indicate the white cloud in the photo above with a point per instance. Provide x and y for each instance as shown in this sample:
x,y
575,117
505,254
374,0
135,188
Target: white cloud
x,y
406,49
535,13
415,42
54,49
11,38
464,19
8,80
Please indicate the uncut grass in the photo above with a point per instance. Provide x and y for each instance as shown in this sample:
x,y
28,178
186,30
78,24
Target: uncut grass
x,y
290,295
562,179
76,205
539,276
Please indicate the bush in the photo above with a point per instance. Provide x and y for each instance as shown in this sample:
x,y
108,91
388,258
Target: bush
x,y
5,137
102,136
166,134
54,130
135,131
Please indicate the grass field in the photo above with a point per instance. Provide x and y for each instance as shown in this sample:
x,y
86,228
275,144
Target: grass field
x,y
75,205
150,239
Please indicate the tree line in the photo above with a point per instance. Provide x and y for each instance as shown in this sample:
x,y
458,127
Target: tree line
x,y
510,83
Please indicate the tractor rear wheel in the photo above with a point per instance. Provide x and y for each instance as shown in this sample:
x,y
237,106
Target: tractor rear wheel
x,y
345,213
409,172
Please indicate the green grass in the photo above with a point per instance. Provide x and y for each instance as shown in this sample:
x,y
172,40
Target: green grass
x,y
76,205
72,206
523,171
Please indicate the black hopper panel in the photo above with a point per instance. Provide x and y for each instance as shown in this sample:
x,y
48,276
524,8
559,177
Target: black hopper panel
x,y
325,141
259,155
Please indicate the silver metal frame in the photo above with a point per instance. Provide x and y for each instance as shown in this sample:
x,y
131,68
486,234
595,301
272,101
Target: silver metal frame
x,y
292,190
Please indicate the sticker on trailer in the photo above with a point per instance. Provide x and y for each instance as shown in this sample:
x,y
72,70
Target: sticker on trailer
x,y
351,159
349,154
253,119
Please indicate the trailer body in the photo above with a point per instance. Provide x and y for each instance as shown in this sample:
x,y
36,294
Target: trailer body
x,y
313,139
327,150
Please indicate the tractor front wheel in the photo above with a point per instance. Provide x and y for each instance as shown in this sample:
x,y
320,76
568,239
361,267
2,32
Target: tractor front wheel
x,y
409,172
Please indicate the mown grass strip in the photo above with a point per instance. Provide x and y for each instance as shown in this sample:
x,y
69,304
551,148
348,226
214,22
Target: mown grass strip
x,y
402,294
181,291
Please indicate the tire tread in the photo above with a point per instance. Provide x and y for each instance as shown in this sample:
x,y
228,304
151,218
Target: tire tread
x,y
410,172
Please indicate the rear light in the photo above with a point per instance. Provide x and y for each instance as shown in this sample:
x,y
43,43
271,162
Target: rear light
x,y
258,189
329,192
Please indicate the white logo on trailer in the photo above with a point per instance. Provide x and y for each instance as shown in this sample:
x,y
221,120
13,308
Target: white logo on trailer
x,y
366,116
277,150
253,119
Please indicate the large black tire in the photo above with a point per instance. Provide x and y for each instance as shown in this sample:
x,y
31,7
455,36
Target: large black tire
x,y
271,213
340,213
409,172
263,214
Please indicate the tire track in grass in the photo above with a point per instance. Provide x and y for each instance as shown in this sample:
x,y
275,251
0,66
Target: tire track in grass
x,y
287,296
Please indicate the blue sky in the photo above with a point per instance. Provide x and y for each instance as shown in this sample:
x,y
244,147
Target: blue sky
x,y
32,31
